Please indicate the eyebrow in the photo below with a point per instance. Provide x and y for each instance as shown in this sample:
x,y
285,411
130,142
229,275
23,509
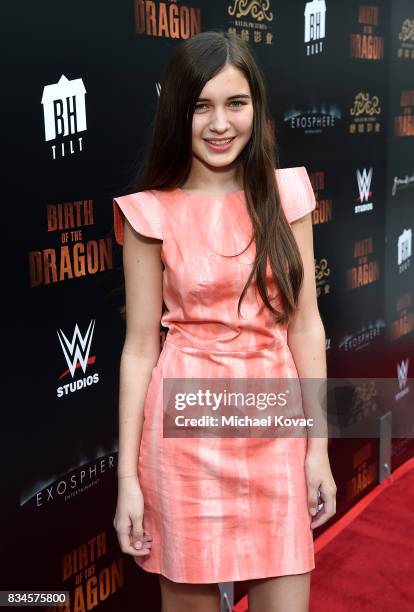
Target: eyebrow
x,y
229,98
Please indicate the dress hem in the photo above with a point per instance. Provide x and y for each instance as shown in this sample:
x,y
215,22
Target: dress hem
x,y
262,575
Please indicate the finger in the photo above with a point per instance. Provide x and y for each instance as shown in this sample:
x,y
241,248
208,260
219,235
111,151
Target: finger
x,y
320,518
313,500
141,541
136,553
326,512
137,532
144,544
127,547
147,536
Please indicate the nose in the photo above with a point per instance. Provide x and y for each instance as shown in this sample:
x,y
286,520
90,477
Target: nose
x,y
219,121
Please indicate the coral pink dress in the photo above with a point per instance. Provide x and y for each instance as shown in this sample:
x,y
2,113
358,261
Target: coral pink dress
x,y
218,509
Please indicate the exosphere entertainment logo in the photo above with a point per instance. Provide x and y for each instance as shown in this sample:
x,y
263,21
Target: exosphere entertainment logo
x,y
315,119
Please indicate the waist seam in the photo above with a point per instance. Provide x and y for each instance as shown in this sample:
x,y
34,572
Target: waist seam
x,y
213,350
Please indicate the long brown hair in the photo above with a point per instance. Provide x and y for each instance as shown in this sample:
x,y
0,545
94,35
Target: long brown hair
x,y
169,156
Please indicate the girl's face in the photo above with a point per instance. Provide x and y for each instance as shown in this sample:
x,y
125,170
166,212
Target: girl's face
x,y
223,118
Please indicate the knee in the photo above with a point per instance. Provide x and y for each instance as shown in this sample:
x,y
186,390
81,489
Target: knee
x,y
184,597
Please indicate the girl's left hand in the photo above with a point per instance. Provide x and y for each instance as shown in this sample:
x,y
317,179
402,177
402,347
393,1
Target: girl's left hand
x,y
320,482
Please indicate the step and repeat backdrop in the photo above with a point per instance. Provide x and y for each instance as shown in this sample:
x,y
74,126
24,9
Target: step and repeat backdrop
x,y
82,86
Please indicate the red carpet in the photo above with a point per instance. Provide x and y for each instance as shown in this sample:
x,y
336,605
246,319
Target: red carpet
x,y
365,562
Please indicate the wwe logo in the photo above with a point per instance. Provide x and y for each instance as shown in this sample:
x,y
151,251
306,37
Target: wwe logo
x,y
77,349
364,184
402,372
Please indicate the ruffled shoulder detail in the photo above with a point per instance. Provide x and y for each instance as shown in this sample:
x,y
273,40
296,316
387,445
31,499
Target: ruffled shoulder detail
x,y
142,209
296,192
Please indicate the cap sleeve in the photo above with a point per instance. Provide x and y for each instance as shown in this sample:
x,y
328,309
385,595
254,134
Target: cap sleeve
x,y
296,192
142,209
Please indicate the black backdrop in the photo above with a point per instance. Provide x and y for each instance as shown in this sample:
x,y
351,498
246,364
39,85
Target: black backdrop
x,y
341,104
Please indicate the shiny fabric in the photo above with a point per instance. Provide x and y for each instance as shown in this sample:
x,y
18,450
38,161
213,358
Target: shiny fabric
x,y
218,509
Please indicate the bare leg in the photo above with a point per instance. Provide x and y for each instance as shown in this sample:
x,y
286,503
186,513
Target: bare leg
x,y
280,593
183,597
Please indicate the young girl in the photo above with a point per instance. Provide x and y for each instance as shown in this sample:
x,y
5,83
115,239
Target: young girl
x,y
199,511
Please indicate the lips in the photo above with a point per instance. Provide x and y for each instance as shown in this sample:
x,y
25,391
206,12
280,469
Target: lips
x,y
219,141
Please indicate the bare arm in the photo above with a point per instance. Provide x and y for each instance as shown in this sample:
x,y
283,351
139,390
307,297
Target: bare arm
x,y
306,333
143,292
306,340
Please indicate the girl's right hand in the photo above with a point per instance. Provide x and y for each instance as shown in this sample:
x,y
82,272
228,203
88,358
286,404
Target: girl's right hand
x,y
128,518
